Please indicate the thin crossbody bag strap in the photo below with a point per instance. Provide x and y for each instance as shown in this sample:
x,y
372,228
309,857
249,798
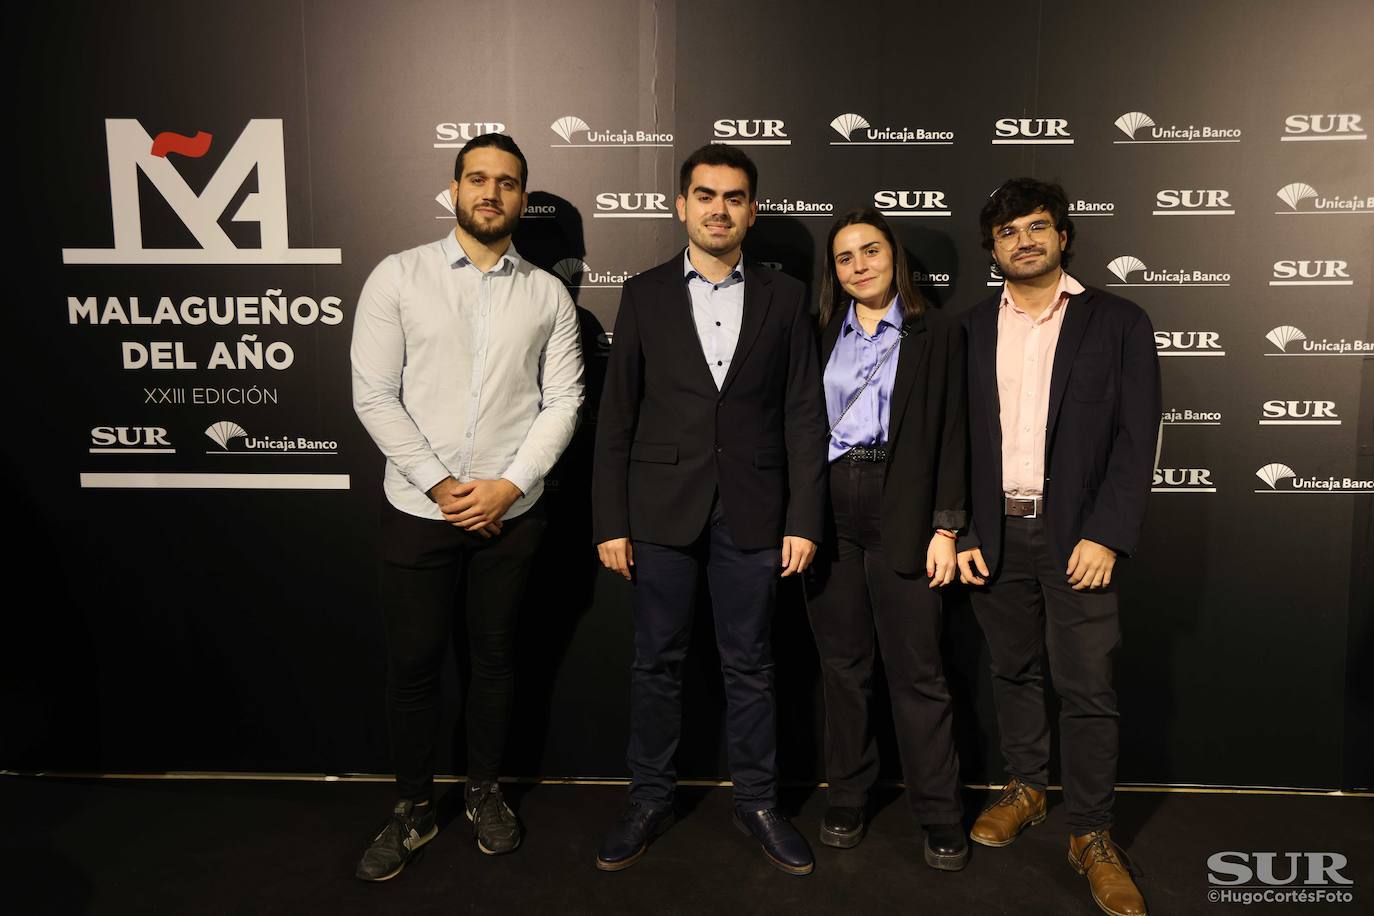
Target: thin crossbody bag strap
x,y
864,387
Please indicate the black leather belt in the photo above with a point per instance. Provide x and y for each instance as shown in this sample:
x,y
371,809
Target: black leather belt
x,y
1023,506
865,454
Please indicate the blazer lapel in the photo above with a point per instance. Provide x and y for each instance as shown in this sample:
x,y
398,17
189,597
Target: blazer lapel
x,y
911,352
758,296
985,365
830,336
1076,315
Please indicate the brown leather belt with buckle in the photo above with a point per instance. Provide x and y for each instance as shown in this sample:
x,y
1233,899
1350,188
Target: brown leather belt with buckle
x,y
864,454
1023,506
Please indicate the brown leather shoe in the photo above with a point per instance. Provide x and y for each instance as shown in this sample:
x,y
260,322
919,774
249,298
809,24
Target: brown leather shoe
x,y
1096,856
1018,807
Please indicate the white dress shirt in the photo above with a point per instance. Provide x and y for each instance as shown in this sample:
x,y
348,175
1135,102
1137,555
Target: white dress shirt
x,y
718,312
466,374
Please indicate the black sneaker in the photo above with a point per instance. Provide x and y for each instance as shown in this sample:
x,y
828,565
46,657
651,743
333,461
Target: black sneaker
x,y
493,822
391,849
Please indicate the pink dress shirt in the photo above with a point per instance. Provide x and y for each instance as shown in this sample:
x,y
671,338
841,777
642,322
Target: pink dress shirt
x,y
1025,359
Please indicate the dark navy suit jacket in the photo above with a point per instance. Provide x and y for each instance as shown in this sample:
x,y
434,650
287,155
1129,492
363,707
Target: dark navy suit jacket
x,y
1101,433
667,440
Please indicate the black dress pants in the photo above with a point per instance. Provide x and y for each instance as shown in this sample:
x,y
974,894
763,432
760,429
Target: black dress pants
x,y
743,585
853,596
1026,611
431,574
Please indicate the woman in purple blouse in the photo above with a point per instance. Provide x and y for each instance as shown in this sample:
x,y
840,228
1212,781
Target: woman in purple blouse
x,y
895,393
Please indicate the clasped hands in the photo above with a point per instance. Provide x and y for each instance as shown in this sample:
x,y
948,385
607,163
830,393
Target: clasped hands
x,y
477,506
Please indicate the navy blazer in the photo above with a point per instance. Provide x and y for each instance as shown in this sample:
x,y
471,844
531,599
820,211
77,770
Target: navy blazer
x,y
1101,433
925,479
667,440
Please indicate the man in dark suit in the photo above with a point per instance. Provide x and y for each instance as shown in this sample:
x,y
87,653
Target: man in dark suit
x,y
710,453
1064,408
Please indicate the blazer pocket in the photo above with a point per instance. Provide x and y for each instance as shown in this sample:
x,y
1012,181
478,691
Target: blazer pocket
x,y
1090,377
656,452
770,458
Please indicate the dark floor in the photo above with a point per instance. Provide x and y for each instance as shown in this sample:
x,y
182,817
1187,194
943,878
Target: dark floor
x,y
209,847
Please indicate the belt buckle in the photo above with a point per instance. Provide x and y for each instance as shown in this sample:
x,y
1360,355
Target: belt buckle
x,y
1022,506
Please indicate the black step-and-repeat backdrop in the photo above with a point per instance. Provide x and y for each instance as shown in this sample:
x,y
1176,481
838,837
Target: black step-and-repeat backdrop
x,y
205,187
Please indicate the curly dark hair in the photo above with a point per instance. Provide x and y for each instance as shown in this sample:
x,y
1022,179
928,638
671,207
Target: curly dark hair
x,y
1019,197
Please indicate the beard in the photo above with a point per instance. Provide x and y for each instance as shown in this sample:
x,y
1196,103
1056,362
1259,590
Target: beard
x,y
1029,270
486,232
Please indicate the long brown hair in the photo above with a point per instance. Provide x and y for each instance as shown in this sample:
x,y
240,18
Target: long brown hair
x,y
833,296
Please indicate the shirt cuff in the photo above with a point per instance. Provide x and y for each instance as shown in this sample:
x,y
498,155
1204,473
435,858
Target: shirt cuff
x,y
430,472
523,477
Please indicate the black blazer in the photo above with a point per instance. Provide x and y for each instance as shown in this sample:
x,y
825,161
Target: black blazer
x,y
926,480
1101,432
667,439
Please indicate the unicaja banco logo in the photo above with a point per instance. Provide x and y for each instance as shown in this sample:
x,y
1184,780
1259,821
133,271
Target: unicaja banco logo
x,y
220,433
855,130
1126,265
258,152
1139,127
571,127
1296,195
1280,478
1287,338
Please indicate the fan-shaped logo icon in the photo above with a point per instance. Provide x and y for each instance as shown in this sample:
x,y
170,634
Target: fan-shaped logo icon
x,y
1124,265
846,124
1295,193
569,269
566,126
1281,337
442,198
1132,121
220,433
1273,473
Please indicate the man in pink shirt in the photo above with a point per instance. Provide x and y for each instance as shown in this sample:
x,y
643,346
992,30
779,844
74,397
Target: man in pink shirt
x,y
1064,407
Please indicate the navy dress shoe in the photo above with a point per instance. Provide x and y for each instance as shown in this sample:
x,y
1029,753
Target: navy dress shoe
x,y
842,827
638,826
946,848
784,847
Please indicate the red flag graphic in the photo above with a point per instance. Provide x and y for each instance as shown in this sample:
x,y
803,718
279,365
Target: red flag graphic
x,y
190,147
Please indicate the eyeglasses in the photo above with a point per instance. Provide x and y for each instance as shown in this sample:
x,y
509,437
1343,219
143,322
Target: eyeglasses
x,y
1010,236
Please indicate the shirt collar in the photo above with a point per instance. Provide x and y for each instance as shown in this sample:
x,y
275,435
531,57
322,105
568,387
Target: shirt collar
x,y
457,257
1068,286
892,318
688,271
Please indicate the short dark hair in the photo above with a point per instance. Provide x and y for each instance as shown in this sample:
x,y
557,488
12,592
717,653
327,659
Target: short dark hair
x,y
833,297
1019,197
501,142
719,154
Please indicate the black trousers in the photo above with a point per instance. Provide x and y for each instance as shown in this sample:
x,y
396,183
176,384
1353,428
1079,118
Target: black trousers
x,y
853,596
743,585
431,574
1030,609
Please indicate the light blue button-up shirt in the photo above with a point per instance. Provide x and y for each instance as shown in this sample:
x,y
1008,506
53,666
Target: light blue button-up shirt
x,y
718,311
856,353
464,373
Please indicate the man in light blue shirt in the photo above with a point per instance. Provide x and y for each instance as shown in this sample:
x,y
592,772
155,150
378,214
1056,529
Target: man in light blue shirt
x,y
467,373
